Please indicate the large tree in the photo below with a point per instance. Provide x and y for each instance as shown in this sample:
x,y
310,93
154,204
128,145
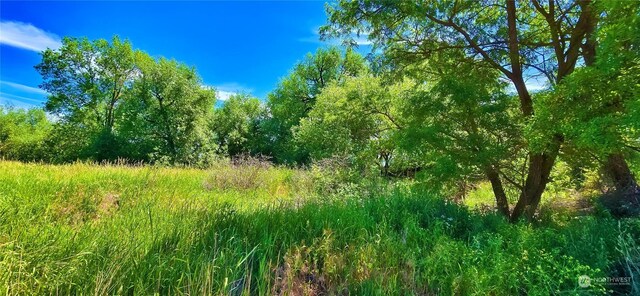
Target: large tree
x,y
356,118
167,113
461,123
520,39
604,125
236,125
87,81
296,94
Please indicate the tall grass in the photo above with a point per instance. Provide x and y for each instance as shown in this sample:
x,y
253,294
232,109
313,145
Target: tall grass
x,y
86,229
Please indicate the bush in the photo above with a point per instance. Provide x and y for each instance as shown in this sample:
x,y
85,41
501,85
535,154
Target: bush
x,y
243,173
22,134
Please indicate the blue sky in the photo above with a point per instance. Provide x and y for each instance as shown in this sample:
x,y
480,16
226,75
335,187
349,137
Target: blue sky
x,y
235,46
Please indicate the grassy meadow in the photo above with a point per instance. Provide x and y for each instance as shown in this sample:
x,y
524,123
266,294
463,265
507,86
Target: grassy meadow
x,y
252,229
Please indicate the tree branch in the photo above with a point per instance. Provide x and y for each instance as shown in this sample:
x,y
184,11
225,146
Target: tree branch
x,y
471,42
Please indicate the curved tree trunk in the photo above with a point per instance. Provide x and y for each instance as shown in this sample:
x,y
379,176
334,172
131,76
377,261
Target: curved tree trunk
x,y
625,200
622,177
498,190
540,166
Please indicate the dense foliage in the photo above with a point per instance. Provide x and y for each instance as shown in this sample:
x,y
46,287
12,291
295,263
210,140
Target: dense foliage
x,y
237,126
23,134
166,113
296,95
520,41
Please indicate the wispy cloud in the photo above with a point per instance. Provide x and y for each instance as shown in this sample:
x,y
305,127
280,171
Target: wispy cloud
x,y
537,83
16,101
20,95
10,103
534,84
359,39
362,40
24,88
20,98
224,91
224,95
27,36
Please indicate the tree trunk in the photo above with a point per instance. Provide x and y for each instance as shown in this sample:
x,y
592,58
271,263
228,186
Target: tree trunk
x,y
616,167
540,165
498,190
624,201
623,179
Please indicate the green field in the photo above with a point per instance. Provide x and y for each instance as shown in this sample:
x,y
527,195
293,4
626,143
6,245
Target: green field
x,y
257,230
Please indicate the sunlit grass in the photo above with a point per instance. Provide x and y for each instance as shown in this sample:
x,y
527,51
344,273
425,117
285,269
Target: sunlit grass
x,y
88,229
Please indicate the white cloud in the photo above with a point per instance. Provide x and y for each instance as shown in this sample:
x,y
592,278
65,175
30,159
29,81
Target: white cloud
x,y
537,83
226,90
358,39
224,95
532,87
20,98
362,40
10,103
24,88
27,36
20,95
12,100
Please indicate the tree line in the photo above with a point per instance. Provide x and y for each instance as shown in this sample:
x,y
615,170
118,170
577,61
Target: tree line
x,y
444,92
